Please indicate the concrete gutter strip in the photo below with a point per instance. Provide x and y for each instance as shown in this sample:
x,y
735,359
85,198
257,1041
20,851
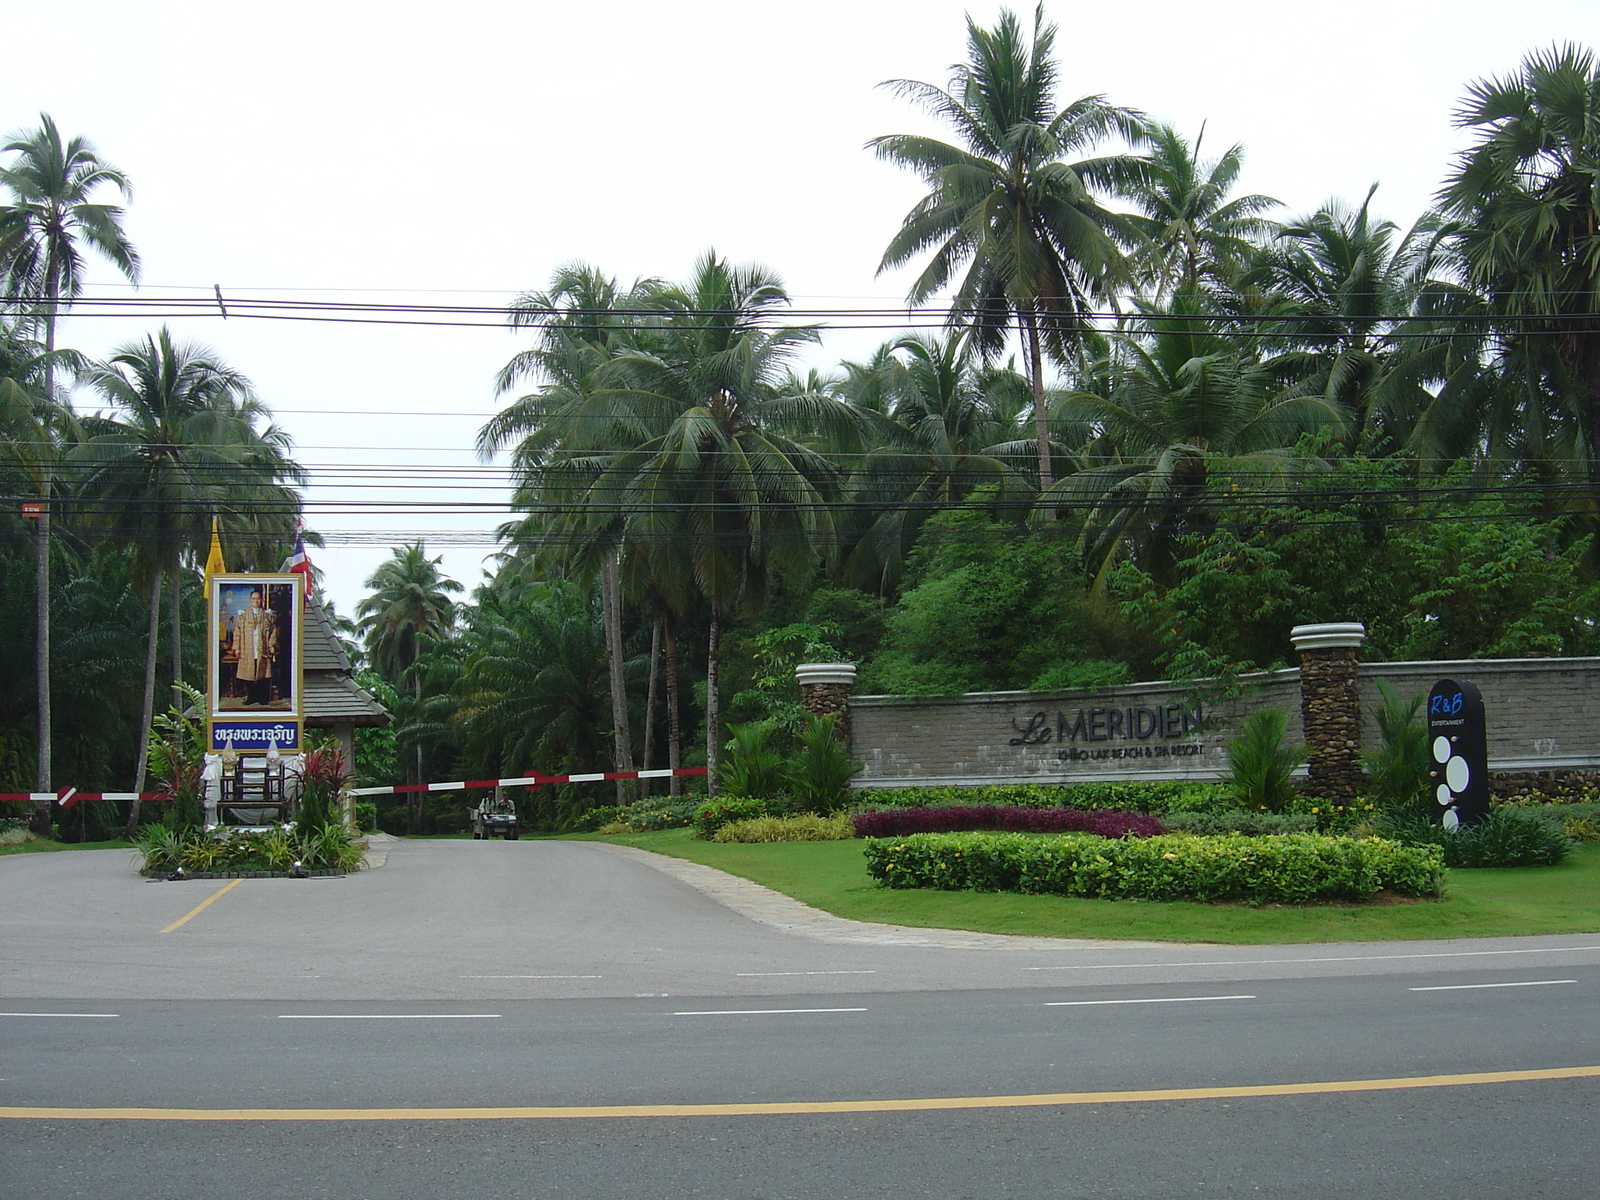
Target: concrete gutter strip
x,y
378,849
790,915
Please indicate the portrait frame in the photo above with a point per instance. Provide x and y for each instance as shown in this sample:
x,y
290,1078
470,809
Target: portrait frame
x,y
255,685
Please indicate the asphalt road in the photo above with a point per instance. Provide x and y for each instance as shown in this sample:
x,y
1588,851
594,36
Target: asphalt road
x,y
555,1020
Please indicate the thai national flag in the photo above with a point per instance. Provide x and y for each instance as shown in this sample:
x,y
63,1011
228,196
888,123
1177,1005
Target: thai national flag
x,y
298,564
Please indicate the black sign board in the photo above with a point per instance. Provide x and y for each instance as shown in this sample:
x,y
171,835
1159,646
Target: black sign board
x,y
1458,762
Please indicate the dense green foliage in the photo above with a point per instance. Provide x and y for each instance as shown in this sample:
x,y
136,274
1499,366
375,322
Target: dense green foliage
x,y
1295,868
331,847
1260,765
1165,422
1508,837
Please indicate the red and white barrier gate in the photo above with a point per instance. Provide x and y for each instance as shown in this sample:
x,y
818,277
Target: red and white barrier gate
x,y
524,781
68,797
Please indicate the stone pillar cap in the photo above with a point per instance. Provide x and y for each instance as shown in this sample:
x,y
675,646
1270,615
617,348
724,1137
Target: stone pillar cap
x,y
813,673
1337,635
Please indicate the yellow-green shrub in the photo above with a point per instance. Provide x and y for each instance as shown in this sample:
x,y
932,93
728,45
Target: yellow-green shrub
x,y
806,827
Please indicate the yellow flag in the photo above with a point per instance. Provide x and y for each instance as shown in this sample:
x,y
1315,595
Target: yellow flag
x,y
214,563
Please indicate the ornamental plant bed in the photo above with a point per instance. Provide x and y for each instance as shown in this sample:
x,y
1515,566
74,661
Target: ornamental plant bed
x,y
832,876
900,822
319,873
1296,868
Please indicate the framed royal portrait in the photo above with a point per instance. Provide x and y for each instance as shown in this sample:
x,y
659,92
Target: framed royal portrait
x,y
255,683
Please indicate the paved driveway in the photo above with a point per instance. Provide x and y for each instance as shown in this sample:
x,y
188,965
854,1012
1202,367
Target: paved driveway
x,y
529,919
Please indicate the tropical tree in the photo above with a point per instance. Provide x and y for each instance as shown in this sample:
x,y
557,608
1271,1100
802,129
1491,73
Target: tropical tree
x,y
182,446
949,429
50,220
1006,210
722,475
534,683
409,606
1525,200
1186,403
564,430
1191,232
34,426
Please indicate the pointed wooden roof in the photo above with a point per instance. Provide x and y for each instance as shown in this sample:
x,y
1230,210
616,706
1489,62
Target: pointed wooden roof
x,y
332,696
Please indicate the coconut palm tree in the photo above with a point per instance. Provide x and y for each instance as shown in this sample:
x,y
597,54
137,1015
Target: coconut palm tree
x,y
1188,408
409,606
1525,200
1192,233
564,430
1006,210
1342,280
723,475
35,424
44,230
950,428
183,445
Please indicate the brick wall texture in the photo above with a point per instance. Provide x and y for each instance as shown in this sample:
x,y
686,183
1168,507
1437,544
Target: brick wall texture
x,y
1543,719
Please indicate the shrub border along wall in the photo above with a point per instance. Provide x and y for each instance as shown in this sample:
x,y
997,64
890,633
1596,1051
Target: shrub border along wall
x,y
1295,868
1100,822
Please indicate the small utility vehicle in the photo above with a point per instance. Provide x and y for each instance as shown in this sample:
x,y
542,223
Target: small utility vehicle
x,y
495,817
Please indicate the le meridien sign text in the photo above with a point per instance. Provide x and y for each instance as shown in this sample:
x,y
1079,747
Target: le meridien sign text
x,y
1136,731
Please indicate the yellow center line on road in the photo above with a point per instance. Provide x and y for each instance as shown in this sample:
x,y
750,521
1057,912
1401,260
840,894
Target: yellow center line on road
x,y
801,1108
201,907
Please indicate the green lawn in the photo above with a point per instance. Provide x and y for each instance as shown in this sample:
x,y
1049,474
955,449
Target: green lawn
x,y
1481,903
44,847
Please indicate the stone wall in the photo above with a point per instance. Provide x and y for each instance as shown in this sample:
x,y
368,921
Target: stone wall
x,y
1543,717
1055,737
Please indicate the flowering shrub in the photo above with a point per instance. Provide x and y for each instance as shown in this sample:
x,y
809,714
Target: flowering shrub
x,y
1294,868
1342,818
711,815
647,816
894,822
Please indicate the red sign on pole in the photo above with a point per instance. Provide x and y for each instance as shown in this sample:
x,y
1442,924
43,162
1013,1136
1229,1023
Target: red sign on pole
x,y
32,509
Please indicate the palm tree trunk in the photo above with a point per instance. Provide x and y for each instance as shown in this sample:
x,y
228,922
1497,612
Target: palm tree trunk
x,y
713,724
41,580
1041,424
177,639
674,733
622,736
148,711
652,690
41,666
413,801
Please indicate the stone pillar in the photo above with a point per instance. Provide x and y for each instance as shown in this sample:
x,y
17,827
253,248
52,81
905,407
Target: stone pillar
x,y
1330,707
825,691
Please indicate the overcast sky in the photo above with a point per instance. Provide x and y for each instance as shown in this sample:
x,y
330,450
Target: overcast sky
x,y
460,152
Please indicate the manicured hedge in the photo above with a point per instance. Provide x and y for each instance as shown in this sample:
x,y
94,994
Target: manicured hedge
x,y
898,822
1149,796
1294,868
